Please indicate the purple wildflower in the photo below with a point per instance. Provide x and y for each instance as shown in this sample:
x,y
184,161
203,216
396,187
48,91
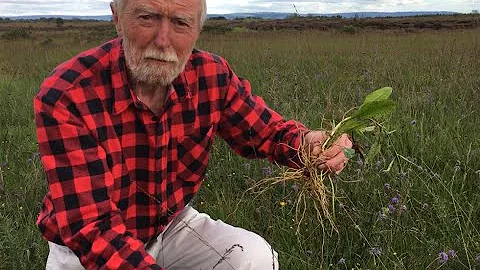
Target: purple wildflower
x,y
267,171
382,216
391,208
294,188
442,257
4,165
477,259
451,253
395,200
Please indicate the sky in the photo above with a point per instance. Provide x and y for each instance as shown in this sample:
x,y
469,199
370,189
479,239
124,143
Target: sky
x,y
101,7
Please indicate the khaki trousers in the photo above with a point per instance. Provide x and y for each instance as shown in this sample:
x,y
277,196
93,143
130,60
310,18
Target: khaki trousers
x,y
193,241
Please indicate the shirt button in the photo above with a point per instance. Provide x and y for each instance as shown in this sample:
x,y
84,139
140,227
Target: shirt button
x,y
155,119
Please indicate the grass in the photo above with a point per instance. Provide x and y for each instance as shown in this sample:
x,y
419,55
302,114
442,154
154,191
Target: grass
x,y
309,76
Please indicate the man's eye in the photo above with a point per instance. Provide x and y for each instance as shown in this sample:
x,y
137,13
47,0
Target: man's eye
x,y
145,17
181,23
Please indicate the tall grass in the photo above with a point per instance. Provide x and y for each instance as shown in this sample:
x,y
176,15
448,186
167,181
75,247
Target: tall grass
x,y
309,76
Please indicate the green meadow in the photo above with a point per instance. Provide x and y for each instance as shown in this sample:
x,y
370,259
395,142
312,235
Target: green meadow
x,y
419,197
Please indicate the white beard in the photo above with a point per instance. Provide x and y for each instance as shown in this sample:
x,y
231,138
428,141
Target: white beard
x,y
144,67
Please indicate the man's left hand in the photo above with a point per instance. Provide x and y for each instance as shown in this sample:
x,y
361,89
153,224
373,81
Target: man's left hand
x,y
332,159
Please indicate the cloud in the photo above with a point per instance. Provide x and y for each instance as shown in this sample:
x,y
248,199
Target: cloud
x,y
54,7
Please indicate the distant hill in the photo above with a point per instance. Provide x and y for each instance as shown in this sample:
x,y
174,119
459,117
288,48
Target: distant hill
x,y
279,15
263,15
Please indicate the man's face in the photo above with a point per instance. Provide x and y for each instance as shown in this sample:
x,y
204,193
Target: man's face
x,y
158,37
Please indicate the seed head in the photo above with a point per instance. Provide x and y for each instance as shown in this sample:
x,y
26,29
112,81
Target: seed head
x,y
386,186
375,251
295,188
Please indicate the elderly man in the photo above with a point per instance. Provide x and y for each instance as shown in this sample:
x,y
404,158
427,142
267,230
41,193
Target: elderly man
x,y
124,132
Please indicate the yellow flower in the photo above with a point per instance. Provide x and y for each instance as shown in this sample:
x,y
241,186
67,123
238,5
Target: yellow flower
x,y
283,203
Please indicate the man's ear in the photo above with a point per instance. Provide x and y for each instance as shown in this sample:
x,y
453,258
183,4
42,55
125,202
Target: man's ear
x,y
118,26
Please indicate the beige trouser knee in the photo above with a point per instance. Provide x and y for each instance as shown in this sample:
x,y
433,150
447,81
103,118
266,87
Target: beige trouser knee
x,y
193,241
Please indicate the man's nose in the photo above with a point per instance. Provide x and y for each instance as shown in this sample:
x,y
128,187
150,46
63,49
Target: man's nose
x,y
162,38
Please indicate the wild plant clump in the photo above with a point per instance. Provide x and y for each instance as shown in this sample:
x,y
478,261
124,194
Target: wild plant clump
x,y
317,187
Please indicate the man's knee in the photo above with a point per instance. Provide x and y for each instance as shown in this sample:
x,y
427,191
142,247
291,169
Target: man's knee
x,y
62,258
248,251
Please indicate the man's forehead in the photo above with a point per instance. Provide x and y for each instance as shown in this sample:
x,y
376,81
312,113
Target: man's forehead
x,y
191,4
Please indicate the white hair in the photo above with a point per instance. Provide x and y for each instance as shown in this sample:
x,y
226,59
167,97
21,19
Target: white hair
x,y
119,6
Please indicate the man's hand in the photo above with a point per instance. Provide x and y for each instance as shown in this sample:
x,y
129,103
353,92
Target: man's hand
x,y
332,159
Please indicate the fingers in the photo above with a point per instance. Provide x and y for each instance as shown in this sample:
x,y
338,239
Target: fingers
x,y
314,140
334,164
334,159
331,160
345,141
316,148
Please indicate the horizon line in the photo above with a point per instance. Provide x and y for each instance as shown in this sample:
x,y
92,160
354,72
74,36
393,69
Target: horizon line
x,y
255,12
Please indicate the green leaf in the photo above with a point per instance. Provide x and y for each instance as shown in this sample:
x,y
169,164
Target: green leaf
x,y
372,153
351,125
374,109
366,129
378,95
349,153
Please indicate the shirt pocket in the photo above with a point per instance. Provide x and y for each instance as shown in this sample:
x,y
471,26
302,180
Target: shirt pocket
x,y
192,156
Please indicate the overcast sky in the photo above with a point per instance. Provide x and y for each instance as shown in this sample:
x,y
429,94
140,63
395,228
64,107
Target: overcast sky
x,y
101,7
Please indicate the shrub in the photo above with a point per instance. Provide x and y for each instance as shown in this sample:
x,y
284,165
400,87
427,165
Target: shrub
x,y
46,42
17,33
220,29
349,29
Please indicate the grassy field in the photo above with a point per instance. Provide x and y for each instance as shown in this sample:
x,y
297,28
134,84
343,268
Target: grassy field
x,y
308,76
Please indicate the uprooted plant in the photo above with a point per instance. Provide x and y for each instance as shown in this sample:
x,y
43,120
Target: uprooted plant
x,y
317,187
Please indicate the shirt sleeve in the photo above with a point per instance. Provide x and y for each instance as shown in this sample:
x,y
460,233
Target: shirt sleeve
x,y
80,186
253,130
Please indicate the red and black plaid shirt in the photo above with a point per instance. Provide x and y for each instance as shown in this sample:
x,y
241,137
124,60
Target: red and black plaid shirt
x,y
103,150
